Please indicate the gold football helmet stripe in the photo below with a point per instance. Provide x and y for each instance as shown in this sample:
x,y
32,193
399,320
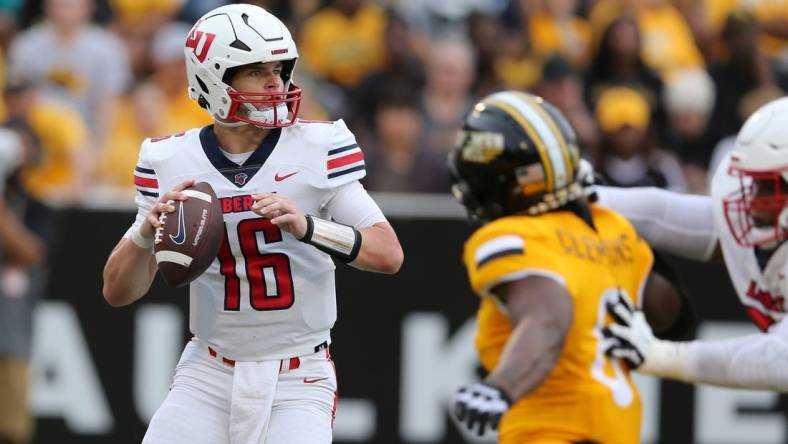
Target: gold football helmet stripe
x,y
533,134
551,143
570,166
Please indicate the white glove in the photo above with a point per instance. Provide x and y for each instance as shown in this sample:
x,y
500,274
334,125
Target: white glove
x,y
632,337
478,408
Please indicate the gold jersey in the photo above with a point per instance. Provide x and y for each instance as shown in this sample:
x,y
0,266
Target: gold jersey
x,y
586,396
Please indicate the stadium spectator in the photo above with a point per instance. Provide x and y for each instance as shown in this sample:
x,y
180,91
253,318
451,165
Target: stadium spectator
x,y
169,75
85,66
562,86
345,41
65,162
770,16
156,108
486,32
140,115
627,156
689,98
403,68
9,11
397,159
445,20
746,70
618,62
21,254
135,22
447,92
554,28
667,42
152,13
516,67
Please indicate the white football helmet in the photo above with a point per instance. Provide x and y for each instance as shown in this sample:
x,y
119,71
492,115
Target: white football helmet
x,y
237,35
757,214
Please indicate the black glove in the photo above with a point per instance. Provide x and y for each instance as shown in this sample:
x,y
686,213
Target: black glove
x,y
478,408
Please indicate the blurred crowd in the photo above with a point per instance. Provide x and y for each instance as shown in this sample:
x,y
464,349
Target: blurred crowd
x,y
654,88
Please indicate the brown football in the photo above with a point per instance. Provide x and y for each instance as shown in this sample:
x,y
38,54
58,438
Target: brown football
x,y
189,239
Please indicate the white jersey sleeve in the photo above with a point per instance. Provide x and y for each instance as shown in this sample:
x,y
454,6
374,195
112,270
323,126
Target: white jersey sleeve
x,y
681,224
147,186
345,159
350,204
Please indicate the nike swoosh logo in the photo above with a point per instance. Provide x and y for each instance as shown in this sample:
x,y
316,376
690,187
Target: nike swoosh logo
x,y
180,238
279,178
313,380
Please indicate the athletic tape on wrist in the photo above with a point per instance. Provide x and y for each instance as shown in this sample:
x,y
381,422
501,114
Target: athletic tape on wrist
x,y
338,240
667,359
140,240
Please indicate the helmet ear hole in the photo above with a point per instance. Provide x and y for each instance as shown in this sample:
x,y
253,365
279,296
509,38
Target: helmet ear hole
x,y
203,103
202,84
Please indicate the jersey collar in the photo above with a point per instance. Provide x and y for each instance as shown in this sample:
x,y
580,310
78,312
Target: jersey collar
x,y
238,175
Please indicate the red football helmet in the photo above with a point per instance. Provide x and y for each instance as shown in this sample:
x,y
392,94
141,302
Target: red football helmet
x,y
757,215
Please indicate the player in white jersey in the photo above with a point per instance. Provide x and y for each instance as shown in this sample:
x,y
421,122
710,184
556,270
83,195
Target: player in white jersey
x,y
258,369
746,218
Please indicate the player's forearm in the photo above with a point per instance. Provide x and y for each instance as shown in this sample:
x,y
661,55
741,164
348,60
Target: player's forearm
x,y
128,273
680,224
380,250
528,358
752,362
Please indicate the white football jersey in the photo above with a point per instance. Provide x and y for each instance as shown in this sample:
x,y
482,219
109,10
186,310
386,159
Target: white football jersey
x,y
267,295
761,291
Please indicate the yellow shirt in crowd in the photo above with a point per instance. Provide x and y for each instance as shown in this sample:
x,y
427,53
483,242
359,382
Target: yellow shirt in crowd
x,y
123,149
345,49
62,134
571,39
667,42
717,11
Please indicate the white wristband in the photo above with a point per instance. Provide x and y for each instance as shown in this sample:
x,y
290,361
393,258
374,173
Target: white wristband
x,y
140,240
338,240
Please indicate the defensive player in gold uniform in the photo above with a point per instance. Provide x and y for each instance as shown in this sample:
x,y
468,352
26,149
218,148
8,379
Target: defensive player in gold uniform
x,y
546,264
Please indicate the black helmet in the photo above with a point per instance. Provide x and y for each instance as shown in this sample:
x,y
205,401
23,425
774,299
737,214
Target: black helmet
x,y
516,153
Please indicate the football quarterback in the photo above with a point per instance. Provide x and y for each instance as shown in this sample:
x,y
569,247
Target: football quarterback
x,y
258,368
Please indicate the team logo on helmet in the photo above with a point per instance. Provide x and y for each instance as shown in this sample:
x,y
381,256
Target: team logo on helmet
x,y
240,179
481,146
194,38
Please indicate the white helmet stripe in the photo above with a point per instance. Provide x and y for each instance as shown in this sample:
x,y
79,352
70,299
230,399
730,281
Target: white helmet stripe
x,y
552,144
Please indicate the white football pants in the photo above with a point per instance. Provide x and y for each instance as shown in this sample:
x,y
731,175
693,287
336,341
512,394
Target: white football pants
x,y
211,402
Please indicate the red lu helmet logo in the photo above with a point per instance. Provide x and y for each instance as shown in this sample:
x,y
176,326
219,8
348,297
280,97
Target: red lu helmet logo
x,y
194,38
